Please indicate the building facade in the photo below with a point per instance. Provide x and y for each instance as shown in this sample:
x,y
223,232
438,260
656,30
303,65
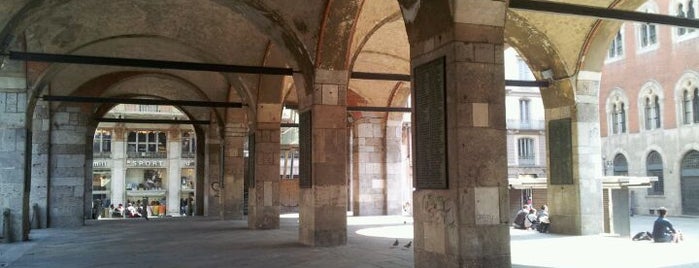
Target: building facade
x,y
526,135
649,109
133,161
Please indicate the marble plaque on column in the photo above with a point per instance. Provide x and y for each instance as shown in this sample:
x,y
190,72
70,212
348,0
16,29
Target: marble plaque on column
x,y
429,122
251,161
305,149
561,151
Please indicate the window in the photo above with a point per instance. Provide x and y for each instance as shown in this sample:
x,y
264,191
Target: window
x,y
148,144
621,167
652,112
148,108
524,113
648,35
525,151
189,145
102,143
618,118
616,48
695,105
686,107
684,9
654,167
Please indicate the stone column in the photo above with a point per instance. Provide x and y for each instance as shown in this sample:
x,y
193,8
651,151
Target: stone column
x,y
212,200
323,141
119,165
574,186
40,164
15,136
263,196
233,178
396,179
69,167
369,183
174,173
461,216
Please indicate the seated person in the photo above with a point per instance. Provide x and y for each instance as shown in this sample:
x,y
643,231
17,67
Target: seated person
x,y
118,211
132,212
543,218
531,222
663,231
519,222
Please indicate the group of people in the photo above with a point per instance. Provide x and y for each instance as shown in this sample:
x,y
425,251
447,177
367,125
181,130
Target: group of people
x,y
528,218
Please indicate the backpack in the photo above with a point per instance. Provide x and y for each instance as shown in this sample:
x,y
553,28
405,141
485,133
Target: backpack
x,y
642,236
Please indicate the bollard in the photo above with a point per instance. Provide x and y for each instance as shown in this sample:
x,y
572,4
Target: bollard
x,y
6,226
35,222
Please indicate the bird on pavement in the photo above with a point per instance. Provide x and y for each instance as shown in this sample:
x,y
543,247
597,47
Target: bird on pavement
x,y
395,243
408,244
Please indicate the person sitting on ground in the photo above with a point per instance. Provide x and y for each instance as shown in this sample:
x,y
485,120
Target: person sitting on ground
x,y
543,218
521,217
531,222
663,231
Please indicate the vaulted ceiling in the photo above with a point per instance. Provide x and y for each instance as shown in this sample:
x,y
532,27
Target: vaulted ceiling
x,y
355,35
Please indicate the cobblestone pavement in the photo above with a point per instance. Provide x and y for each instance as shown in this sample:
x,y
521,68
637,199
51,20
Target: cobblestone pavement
x,y
204,242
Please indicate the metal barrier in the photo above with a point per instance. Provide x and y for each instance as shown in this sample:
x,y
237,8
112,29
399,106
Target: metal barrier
x,y
6,226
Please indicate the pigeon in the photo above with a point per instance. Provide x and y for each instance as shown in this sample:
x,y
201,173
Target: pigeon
x,y
395,243
408,244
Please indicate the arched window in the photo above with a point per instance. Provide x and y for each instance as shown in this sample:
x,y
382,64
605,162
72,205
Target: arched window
x,y
695,105
622,118
647,114
649,101
525,151
684,9
621,167
615,120
689,183
687,107
654,167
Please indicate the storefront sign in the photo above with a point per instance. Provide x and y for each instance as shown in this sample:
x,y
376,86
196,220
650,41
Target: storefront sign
x,y
145,163
99,163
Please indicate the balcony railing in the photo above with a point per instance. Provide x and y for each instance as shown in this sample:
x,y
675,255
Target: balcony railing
x,y
101,155
531,124
189,154
146,154
527,161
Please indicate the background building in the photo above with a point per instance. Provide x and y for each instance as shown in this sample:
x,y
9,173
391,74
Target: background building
x,y
136,160
526,136
649,109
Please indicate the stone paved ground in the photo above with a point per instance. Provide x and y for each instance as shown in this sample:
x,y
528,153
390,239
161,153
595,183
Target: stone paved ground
x,y
203,242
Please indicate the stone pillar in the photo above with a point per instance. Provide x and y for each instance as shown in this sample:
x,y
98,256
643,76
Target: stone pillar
x,y
212,206
263,196
461,209
119,166
14,139
575,186
369,183
69,176
396,179
174,173
323,141
40,164
233,178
